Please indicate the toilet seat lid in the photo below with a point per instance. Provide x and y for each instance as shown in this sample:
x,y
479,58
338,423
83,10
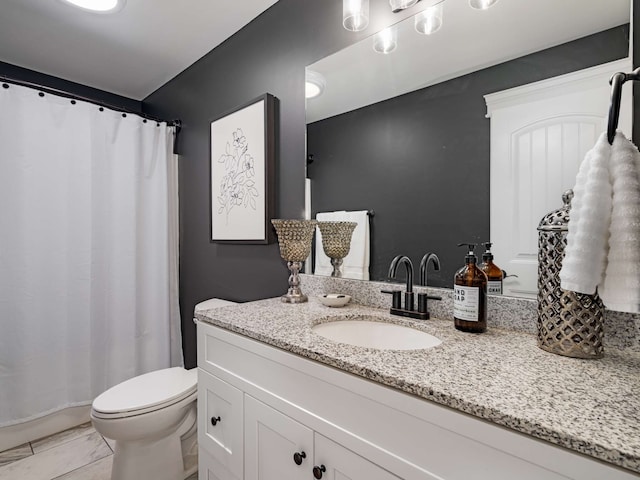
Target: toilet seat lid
x,y
152,389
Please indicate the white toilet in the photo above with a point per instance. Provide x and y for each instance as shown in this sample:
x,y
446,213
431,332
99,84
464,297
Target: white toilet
x,y
153,420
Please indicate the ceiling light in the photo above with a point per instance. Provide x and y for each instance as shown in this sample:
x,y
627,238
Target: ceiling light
x,y
482,4
386,41
430,20
314,84
397,5
98,6
355,14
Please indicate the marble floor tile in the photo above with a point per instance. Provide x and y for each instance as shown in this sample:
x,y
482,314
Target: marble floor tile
x,y
59,460
63,437
100,470
16,453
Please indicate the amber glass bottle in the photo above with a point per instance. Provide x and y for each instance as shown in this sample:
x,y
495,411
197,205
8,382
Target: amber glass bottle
x,y
492,271
470,295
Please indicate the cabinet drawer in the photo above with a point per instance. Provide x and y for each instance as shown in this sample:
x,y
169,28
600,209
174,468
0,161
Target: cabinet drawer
x,y
220,421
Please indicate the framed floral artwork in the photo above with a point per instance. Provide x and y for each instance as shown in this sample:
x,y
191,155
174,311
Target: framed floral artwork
x,y
242,173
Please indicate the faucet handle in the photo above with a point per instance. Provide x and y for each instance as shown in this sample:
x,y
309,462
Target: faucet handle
x,y
395,299
422,302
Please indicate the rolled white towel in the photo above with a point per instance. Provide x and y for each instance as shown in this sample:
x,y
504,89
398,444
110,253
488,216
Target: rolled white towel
x,y
586,254
620,288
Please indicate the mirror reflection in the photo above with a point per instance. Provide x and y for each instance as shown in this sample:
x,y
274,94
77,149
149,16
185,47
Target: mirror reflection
x,y
406,134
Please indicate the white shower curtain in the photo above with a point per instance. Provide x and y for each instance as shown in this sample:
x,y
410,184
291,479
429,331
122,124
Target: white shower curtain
x,y
88,251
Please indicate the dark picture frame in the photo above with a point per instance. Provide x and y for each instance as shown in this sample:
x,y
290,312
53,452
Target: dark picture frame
x,y
242,173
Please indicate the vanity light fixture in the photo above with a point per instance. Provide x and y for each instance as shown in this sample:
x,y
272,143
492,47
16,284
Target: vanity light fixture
x,y
98,6
398,5
386,40
355,14
314,84
430,20
482,4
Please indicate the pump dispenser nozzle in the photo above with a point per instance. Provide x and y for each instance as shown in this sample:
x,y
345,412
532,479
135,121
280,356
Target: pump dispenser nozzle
x,y
471,256
487,255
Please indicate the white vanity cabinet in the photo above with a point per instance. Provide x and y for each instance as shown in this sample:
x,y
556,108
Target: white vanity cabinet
x,y
280,448
275,404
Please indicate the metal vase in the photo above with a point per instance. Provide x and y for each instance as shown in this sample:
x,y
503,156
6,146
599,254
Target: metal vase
x,y
336,242
569,323
294,239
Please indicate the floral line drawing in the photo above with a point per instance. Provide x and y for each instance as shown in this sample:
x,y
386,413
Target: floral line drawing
x,y
238,186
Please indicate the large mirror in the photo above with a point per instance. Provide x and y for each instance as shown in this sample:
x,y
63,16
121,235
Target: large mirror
x,y
406,134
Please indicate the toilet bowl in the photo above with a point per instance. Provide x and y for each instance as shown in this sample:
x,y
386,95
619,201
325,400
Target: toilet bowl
x,y
149,417
153,420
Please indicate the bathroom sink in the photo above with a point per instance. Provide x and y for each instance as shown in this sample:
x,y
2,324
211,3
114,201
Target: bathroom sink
x,y
367,332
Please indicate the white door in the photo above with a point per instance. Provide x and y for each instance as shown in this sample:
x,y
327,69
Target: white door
x,y
540,134
272,441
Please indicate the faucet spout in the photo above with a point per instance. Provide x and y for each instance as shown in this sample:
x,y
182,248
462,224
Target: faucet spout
x,y
402,259
424,264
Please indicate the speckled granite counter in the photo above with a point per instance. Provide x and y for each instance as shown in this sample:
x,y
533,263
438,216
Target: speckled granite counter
x,y
590,406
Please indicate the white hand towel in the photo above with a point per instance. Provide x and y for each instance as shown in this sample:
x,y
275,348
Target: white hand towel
x,y
603,243
620,289
356,264
585,256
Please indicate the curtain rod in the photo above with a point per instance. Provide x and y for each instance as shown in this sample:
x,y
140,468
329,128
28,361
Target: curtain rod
x,y
62,93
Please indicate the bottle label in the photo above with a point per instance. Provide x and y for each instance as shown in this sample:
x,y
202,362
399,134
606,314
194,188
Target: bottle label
x,y
466,303
494,287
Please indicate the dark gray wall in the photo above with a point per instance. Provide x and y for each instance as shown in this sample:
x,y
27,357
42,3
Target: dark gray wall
x,y
421,160
26,75
268,55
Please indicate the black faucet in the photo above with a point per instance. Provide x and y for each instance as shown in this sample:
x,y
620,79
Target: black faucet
x,y
396,307
422,297
408,294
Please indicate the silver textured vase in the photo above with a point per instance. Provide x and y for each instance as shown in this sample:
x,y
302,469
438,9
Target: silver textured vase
x,y
569,323
336,242
294,238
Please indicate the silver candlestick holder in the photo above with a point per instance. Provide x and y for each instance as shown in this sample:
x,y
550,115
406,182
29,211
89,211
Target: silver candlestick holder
x,y
294,238
336,242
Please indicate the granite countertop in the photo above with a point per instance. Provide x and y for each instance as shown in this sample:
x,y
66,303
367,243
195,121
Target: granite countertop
x,y
590,406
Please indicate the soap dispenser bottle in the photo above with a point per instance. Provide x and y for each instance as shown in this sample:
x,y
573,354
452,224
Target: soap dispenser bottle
x,y
493,272
470,295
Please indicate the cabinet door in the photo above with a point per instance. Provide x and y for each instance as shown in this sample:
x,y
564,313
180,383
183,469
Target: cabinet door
x,y
220,421
211,469
271,441
343,464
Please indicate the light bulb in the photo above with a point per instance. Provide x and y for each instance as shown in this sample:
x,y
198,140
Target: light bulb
x,y
99,6
355,14
397,5
385,41
482,4
430,20
314,84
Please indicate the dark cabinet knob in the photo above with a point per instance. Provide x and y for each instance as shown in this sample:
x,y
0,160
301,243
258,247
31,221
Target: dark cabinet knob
x,y
298,457
318,471
215,420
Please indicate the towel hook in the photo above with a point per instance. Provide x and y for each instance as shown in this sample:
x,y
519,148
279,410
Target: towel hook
x,y
616,82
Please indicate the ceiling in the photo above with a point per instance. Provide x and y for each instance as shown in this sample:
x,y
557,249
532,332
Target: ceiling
x,y
469,40
131,52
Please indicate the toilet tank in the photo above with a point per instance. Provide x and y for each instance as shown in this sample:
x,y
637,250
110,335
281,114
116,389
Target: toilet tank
x,y
212,303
